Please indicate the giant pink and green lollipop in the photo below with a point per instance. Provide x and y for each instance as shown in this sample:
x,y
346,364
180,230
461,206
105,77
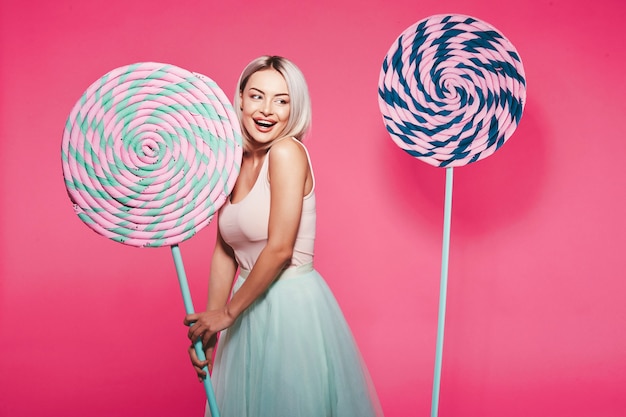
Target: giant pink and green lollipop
x,y
451,91
150,152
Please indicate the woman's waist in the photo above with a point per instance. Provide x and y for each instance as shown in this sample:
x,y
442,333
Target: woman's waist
x,y
289,272
247,258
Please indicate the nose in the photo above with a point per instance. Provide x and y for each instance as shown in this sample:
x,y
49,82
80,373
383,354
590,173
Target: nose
x,y
266,108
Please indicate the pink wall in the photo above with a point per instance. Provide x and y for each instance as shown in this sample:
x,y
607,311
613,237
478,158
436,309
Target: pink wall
x,y
536,309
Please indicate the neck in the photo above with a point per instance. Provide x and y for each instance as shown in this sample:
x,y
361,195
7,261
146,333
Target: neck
x,y
255,154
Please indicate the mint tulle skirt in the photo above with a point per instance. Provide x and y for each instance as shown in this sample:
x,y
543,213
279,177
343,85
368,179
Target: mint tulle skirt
x,y
292,354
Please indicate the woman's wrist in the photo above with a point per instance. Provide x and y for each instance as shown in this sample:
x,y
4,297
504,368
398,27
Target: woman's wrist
x,y
230,311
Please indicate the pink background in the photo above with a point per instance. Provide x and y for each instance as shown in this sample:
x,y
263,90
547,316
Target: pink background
x,y
536,301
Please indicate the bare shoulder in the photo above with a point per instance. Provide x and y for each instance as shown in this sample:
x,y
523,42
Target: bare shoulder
x,y
289,163
288,150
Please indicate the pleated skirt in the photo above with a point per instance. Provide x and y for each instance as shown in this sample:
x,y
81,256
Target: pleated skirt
x,y
292,354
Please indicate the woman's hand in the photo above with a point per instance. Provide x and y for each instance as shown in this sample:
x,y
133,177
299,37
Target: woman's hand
x,y
199,365
202,326
205,326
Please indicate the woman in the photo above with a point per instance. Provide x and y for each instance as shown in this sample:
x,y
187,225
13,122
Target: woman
x,y
285,349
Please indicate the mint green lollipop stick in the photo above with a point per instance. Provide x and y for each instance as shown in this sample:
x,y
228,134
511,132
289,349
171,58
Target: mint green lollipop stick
x,y
184,288
445,255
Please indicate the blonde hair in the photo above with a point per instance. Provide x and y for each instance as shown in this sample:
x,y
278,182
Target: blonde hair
x,y
300,101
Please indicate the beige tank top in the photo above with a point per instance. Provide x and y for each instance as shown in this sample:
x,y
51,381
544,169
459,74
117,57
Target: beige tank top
x,y
244,225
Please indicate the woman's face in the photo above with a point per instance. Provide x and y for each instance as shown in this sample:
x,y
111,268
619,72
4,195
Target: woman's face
x,y
265,106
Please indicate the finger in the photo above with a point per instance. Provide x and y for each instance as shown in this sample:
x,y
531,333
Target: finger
x,y
200,370
195,360
207,339
201,373
195,332
200,364
190,319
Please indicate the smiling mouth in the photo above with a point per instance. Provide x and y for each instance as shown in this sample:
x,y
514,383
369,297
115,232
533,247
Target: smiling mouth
x,y
264,123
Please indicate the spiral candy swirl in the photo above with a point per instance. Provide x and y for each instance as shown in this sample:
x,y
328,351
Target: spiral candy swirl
x,y
150,152
451,90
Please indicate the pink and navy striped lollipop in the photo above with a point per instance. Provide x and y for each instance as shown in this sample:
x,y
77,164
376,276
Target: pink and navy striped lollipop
x,y
150,152
451,90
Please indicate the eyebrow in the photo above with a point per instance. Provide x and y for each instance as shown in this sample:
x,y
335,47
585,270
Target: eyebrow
x,y
263,92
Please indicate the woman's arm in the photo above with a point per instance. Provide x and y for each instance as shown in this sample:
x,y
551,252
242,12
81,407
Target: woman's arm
x,y
288,171
222,274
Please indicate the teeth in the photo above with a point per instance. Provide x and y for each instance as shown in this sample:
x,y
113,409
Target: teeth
x,y
264,123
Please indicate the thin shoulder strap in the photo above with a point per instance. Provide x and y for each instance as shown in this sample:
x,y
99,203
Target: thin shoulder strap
x,y
308,157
